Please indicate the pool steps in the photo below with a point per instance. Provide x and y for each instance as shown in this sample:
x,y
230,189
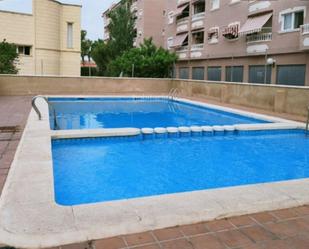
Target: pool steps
x,y
183,131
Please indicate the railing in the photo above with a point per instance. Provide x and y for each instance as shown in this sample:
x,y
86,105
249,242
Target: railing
x,y
264,35
133,7
198,16
172,93
36,109
182,49
305,28
184,20
199,46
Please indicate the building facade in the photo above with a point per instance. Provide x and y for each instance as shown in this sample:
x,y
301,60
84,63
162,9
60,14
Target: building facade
x,y
240,41
48,40
149,20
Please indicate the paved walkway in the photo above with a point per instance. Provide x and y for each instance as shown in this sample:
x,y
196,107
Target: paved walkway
x,y
282,229
13,115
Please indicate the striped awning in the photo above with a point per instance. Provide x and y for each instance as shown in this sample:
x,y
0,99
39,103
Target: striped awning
x,y
231,30
179,39
179,10
254,24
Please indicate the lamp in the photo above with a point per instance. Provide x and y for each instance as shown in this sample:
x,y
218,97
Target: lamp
x,y
271,61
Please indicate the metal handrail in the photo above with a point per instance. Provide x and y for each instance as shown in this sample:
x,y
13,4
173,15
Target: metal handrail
x,y
307,123
34,106
172,93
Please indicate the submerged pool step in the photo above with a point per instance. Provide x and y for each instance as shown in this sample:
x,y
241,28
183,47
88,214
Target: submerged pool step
x,y
187,131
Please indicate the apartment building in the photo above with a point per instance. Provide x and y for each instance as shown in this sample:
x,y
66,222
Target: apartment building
x,y
48,40
240,41
149,20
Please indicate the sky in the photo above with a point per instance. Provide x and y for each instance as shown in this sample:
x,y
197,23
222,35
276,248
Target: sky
x,y
91,12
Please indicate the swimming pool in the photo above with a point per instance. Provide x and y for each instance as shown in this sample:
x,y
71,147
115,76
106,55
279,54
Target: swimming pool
x,y
92,113
107,169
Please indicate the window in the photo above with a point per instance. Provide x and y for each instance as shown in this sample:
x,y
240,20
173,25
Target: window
x,y
170,42
257,74
213,35
198,73
198,37
214,73
215,4
70,35
234,73
170,17
293,20
24,50
199,7
291,75
184,73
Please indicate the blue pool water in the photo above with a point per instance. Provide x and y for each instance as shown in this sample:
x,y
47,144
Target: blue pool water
x,y
139,113
106,169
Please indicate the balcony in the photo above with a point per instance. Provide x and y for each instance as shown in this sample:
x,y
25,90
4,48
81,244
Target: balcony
x,y
182,2
264,35
106,37
259,6
304,37
182,49
107,21
198,20
134,7
182,52
198,16
183,25
199,46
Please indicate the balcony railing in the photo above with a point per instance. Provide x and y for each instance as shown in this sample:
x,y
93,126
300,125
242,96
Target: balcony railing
x,y
305,29
265,35
198,16
134,7
182,49
184,20
199,46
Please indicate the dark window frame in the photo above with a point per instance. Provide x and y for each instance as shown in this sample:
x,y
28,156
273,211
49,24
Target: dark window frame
x,y
233,79
213,67
268,79
196,78
291,65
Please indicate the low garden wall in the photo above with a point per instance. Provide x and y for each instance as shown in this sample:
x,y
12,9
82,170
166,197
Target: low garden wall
x,y
281,99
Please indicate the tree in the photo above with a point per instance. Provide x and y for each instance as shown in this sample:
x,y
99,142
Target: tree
x,y
146,61
85,46
101,54
121,29
8,57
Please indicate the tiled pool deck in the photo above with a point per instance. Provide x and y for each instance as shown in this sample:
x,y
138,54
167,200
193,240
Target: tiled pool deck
x,y
282,229
287,228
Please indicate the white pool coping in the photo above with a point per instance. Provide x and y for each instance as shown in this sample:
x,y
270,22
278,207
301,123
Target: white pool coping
x,y
30,217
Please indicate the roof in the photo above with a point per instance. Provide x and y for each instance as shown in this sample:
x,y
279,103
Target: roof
x,y
16,13
66,4
112,7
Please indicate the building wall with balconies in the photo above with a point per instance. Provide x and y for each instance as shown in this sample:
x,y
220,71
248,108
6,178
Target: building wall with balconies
x,y
284,37
149,20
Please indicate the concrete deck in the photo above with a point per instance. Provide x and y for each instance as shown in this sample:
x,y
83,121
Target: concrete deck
x,y
278,229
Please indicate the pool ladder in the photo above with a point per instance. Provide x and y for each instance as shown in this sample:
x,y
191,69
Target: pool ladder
x,y
307,123
172,93
34,106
